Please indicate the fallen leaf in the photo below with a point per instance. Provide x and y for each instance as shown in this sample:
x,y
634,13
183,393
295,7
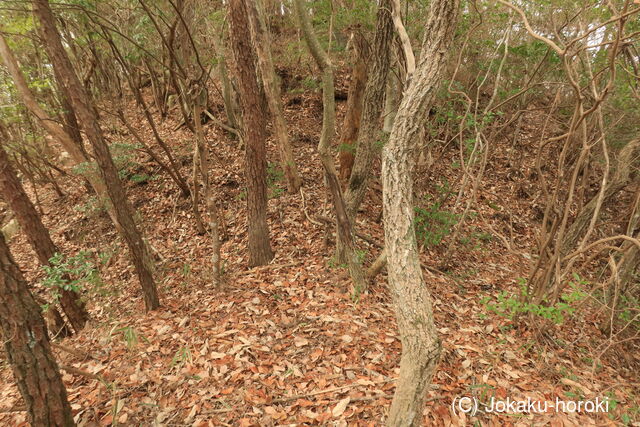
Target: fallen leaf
x,y
340,407
300,342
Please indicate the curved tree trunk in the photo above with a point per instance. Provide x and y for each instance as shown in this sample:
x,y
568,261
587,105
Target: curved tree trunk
x,y
28,350
254,127
109,174
411,298
328,132
369,133
620,179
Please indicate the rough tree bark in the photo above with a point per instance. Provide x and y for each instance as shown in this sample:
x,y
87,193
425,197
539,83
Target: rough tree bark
x,y
262,45
326,137
254,135
351,122
13,193
109,174
392,98
28,350
200,103
373,104
58,327
411,298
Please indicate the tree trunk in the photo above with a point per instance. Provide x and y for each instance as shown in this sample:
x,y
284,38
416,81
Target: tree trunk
x,y
373,103
200,102
13,193
195,191
345,233
228,94
75,151
28,350
411,298
70,123
108,171
620,179
351,122
373,106
261,43
254,135
391,102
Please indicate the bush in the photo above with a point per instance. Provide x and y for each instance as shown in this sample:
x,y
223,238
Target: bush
x,y
72,273
511,306
433,224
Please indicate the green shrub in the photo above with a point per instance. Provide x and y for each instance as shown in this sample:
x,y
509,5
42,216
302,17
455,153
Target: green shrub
x,y
510,306
433,224
70,273
275,176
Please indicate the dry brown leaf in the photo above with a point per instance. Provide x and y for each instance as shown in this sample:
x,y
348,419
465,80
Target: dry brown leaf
x,y
340,407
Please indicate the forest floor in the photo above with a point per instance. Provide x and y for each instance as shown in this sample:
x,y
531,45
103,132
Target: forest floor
x,y
287,343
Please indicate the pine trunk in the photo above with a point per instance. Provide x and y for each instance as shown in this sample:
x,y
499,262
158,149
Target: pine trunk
x,y
28,350
109,174
13,193
254,132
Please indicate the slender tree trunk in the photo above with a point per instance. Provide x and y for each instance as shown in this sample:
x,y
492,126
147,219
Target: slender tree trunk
x,y
420,344
200,102
27,348
75,151
373,105
159,98
228,94
328,132
351,122
365,147
13,193
195,191
109,173
261,43
254,134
